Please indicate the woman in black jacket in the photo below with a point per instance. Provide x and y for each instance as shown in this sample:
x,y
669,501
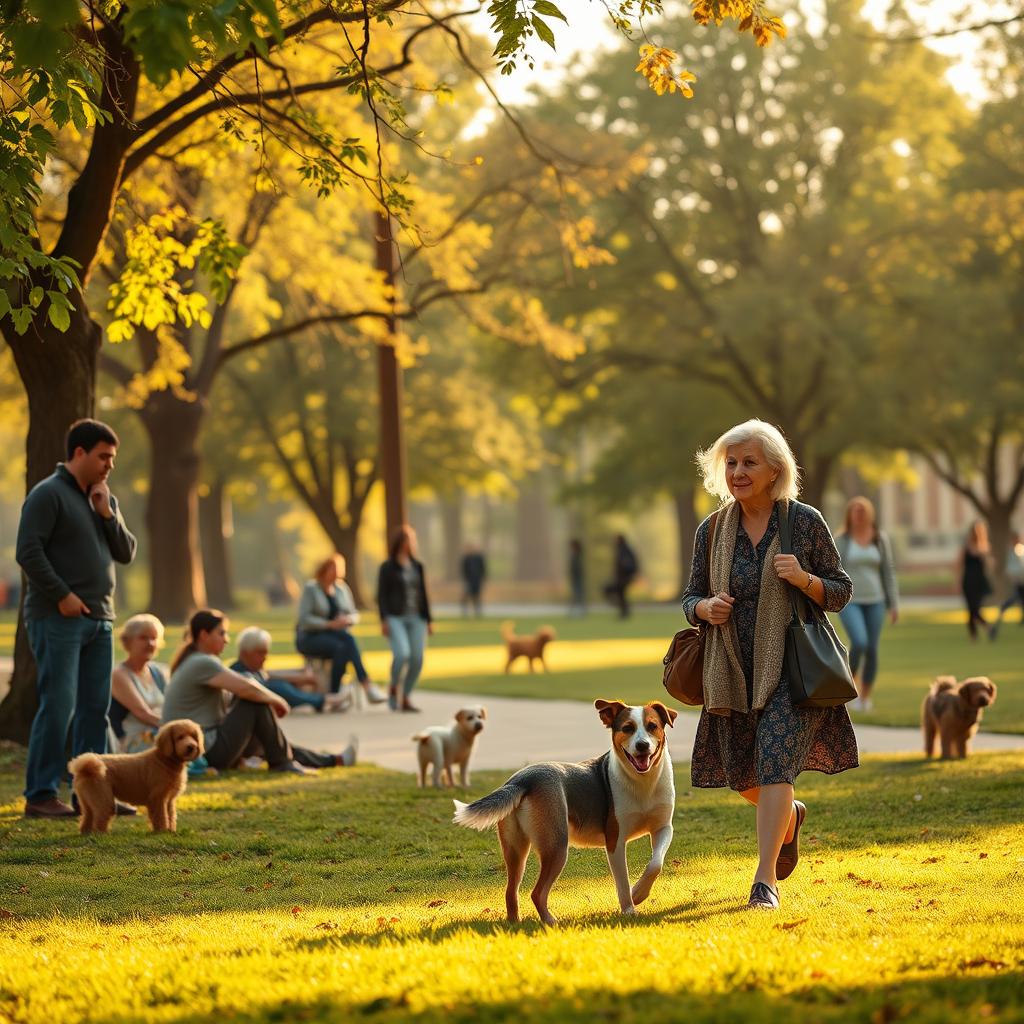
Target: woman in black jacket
x,y
404,616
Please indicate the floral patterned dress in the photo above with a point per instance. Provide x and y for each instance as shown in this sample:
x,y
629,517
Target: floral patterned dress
x,y
775,744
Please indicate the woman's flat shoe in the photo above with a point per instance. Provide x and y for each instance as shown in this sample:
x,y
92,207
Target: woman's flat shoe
x,y
790,852
374,694
409,706
763,897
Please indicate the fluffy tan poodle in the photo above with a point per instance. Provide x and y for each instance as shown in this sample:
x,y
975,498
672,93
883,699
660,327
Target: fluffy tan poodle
x,y
153,779
529,647
951,713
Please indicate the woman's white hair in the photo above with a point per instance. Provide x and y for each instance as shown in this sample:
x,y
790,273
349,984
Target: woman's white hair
x,y
253,638
134,626
777,453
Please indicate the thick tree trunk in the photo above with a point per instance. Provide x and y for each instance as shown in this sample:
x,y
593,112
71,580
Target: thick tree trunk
x,y
451,525
815,479
58,372
177,587
999,517
686,523
215,530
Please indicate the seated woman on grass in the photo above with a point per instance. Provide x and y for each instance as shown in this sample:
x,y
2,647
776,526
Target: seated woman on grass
x,y
137,691
198,690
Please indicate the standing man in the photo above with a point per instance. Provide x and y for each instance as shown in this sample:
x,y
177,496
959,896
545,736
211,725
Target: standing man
x,y
474,575
625,567
70,534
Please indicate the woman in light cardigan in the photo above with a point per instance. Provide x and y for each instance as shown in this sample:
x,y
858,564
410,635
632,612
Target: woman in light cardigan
x,y
867,556
326,610
750,736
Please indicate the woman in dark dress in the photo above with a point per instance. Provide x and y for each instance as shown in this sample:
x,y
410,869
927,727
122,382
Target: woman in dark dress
x,y
750,736
974,575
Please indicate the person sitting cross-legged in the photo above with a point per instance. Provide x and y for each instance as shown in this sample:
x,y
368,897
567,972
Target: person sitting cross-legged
x,y
198,687
297,687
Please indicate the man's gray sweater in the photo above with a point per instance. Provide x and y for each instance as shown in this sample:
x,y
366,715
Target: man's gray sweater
x,y
65,546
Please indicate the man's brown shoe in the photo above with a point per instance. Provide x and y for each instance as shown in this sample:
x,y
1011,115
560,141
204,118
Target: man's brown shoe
x,y
52,808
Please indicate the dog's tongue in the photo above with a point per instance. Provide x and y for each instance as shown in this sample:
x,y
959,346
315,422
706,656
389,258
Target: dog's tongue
x,y
641,761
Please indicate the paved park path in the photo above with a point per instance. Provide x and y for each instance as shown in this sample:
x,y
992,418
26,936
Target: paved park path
x,y
520,731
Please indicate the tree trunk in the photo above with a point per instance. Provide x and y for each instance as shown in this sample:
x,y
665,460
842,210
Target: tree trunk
x,y
533,532
58,372
999,517
686,522
215,530
176,585
815,479
451,526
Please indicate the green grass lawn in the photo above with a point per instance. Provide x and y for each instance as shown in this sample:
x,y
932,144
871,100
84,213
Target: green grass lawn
x,y
601,656
351,896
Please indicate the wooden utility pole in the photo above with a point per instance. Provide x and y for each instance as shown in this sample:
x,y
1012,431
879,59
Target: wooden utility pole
x,y
389,386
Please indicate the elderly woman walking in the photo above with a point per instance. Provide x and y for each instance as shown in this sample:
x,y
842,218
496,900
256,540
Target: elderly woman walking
x,y
751,737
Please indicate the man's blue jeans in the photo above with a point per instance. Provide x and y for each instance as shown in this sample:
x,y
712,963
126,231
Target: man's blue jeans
x,y
74,660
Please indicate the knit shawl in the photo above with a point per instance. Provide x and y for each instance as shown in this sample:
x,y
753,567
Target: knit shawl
x,y
725,687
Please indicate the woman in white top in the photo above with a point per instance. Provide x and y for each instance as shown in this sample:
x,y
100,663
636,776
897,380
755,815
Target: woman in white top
x,y
137,685
867,559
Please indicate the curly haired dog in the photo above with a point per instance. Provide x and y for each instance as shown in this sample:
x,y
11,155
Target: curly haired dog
x,y
526,646
153,779
951,713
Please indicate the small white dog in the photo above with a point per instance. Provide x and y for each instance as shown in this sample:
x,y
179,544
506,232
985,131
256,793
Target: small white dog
x,y
445,745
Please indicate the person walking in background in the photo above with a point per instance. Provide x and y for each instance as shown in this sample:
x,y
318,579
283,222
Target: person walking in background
x,y
625,567
867,558
298,688
1015,581
326,611
70,535
577,587
973,572
199,689
750,736
404,616
473,569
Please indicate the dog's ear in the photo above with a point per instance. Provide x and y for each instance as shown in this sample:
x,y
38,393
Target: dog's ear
x,y
165,740
666,714
608,710
483,711
460,715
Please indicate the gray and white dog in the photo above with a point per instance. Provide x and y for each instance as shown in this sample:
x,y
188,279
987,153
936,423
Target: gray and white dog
x,y
606,801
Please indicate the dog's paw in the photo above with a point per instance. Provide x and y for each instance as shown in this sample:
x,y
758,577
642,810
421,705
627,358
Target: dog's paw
x,y
629,910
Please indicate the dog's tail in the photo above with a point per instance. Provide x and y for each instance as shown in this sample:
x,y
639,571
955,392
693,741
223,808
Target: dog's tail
x,y
87,766
419,737
508,630
943,684
490,809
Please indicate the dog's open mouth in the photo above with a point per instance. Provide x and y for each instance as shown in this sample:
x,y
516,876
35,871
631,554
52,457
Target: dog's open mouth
x,y
641,762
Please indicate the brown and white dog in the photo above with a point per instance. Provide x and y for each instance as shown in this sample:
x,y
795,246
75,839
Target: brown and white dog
x,y
445,745
154,778
606,801
951,713
529,647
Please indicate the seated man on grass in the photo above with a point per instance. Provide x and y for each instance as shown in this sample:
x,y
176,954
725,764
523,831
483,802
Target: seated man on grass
x,y
199,688
298,688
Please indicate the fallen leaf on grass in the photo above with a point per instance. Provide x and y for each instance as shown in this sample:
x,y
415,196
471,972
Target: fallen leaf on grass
x,y
437,903
225,856
250,888
296,910
391,888
982,856
818,881
325,926
676,862
982,961
186,895
786,925
6,915
931,860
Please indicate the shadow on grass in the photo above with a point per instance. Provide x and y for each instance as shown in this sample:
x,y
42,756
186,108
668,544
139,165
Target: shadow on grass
x,y
925,1001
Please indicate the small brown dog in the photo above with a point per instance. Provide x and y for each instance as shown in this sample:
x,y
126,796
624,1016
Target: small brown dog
x,y
951,713
526,646
153,779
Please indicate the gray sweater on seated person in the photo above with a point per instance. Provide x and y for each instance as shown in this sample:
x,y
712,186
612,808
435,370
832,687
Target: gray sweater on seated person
x,y
315,609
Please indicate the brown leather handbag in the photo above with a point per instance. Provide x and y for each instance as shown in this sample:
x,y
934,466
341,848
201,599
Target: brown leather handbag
x,y
683,675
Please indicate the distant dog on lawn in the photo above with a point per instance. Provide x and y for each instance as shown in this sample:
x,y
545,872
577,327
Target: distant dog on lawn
x,y
445,745
952,712
153,779
606,801
526,646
